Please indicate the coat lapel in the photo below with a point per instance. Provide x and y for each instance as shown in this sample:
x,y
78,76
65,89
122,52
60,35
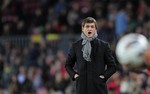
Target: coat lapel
x,y
94,48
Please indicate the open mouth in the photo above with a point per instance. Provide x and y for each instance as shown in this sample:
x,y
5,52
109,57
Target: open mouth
x,y
89,32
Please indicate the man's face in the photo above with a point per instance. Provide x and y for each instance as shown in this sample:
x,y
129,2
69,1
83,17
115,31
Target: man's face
x,y
89,29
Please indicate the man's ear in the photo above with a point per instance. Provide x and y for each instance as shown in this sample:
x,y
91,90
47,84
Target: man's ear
x,y
82,28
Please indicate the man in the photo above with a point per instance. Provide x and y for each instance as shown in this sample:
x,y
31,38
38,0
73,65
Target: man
x,y
94,61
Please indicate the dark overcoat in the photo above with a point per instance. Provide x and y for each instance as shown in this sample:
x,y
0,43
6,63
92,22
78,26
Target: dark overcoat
x,y
102,63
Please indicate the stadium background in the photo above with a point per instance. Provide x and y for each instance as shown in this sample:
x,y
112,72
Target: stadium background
x,y
35,36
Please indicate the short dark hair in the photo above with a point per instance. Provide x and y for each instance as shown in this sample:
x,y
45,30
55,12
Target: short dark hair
x,y
89,20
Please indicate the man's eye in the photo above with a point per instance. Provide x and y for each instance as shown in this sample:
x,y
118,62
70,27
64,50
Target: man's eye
x,y
87,26
92,26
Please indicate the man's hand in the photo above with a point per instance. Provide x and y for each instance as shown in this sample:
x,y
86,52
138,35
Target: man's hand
x,y
75,76
102,76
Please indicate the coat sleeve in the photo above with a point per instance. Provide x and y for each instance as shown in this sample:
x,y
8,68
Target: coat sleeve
x,y
110,62
70,62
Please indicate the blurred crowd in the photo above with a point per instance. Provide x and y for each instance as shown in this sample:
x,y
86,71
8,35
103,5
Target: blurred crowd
x,y
38,69
64,16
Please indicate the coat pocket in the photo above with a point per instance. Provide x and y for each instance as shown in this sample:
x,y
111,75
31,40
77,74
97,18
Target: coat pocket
x,y
101,79
76,78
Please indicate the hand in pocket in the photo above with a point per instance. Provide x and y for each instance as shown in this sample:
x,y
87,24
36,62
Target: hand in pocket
x,y
76,76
